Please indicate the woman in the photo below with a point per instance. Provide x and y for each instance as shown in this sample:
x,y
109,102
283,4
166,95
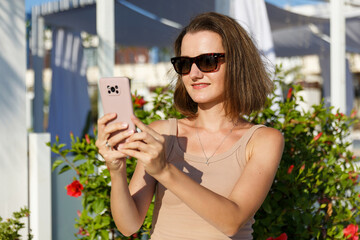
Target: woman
x,y
212,170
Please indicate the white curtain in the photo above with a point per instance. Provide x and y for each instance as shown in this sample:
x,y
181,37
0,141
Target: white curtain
x,y
252,16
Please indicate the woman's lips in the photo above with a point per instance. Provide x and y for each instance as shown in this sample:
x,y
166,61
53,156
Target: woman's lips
x,y
200,85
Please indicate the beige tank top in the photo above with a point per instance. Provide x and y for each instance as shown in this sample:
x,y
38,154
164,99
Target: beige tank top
x,y
173,219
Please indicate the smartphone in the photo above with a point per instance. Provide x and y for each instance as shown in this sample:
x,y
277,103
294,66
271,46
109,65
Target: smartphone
x,y
116,98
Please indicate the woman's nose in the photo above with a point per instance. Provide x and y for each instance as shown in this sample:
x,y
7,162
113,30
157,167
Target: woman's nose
x,y
195,72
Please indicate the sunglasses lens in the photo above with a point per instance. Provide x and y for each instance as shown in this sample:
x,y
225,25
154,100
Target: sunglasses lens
x,y
182,65
207,63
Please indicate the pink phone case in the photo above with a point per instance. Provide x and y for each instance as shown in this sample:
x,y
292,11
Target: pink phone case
x,y
116,98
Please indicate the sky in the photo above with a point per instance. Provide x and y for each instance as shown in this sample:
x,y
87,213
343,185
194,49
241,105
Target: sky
x,y
30,3
281,3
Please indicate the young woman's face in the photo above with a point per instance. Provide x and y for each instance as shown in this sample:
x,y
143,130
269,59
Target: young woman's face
x,y
204,87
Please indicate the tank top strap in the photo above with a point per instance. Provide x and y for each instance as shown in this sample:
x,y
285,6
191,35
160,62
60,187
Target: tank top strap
x,y
170,138
173,126
241,152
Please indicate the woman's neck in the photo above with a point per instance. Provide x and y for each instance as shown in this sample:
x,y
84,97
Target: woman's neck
x,y
214,119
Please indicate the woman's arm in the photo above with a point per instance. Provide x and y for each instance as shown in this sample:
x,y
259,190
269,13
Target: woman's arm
x,y
226,214
129,203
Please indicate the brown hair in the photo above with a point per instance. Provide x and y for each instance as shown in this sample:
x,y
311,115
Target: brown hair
x,y
247,83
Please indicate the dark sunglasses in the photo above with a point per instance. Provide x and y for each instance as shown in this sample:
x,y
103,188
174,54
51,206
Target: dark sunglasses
x,y
207,62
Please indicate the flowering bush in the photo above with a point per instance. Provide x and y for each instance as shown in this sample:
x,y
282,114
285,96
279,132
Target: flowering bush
x,y
313,195
9,229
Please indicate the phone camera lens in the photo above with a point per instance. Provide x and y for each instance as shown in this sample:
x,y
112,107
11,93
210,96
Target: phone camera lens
x,y
116,86
108,87
109,91
112,89
117,92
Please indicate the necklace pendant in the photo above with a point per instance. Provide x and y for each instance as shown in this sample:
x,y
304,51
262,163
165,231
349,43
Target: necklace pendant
x,y
222,141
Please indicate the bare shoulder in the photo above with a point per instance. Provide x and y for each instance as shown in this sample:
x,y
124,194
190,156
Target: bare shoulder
x,y
185,126
268,143
161,126
267,134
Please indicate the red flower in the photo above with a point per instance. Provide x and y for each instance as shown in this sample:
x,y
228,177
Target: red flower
x,y
290,169
72,135
74,189
283,236
339,115
83,232
353,114
78,213
317,136
303,167
289,94
352,230
87,138
139,101
328,142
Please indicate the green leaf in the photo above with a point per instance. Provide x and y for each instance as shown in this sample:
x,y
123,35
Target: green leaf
x,y
55,150
61,145
323,205
267,207
78,157
56,164
64,169
98,205
340,235
92,235
104,235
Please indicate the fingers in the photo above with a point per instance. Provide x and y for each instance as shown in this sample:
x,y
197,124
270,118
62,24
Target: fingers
x,y
102,136
110,129
133,153
114,159
144,128
136,145
143,144
153,161
119,137
142,136
107,131
103,121
110,156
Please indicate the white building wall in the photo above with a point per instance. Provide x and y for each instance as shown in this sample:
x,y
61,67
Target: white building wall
x,y
13,133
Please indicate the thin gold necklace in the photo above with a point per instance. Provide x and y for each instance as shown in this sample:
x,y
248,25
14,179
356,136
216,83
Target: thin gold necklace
x,y
222,141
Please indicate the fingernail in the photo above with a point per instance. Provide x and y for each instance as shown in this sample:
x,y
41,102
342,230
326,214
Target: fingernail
x,y
130,131
124,125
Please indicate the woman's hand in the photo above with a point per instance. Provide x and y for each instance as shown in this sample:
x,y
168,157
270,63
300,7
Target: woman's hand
x,y
109,138
148,147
